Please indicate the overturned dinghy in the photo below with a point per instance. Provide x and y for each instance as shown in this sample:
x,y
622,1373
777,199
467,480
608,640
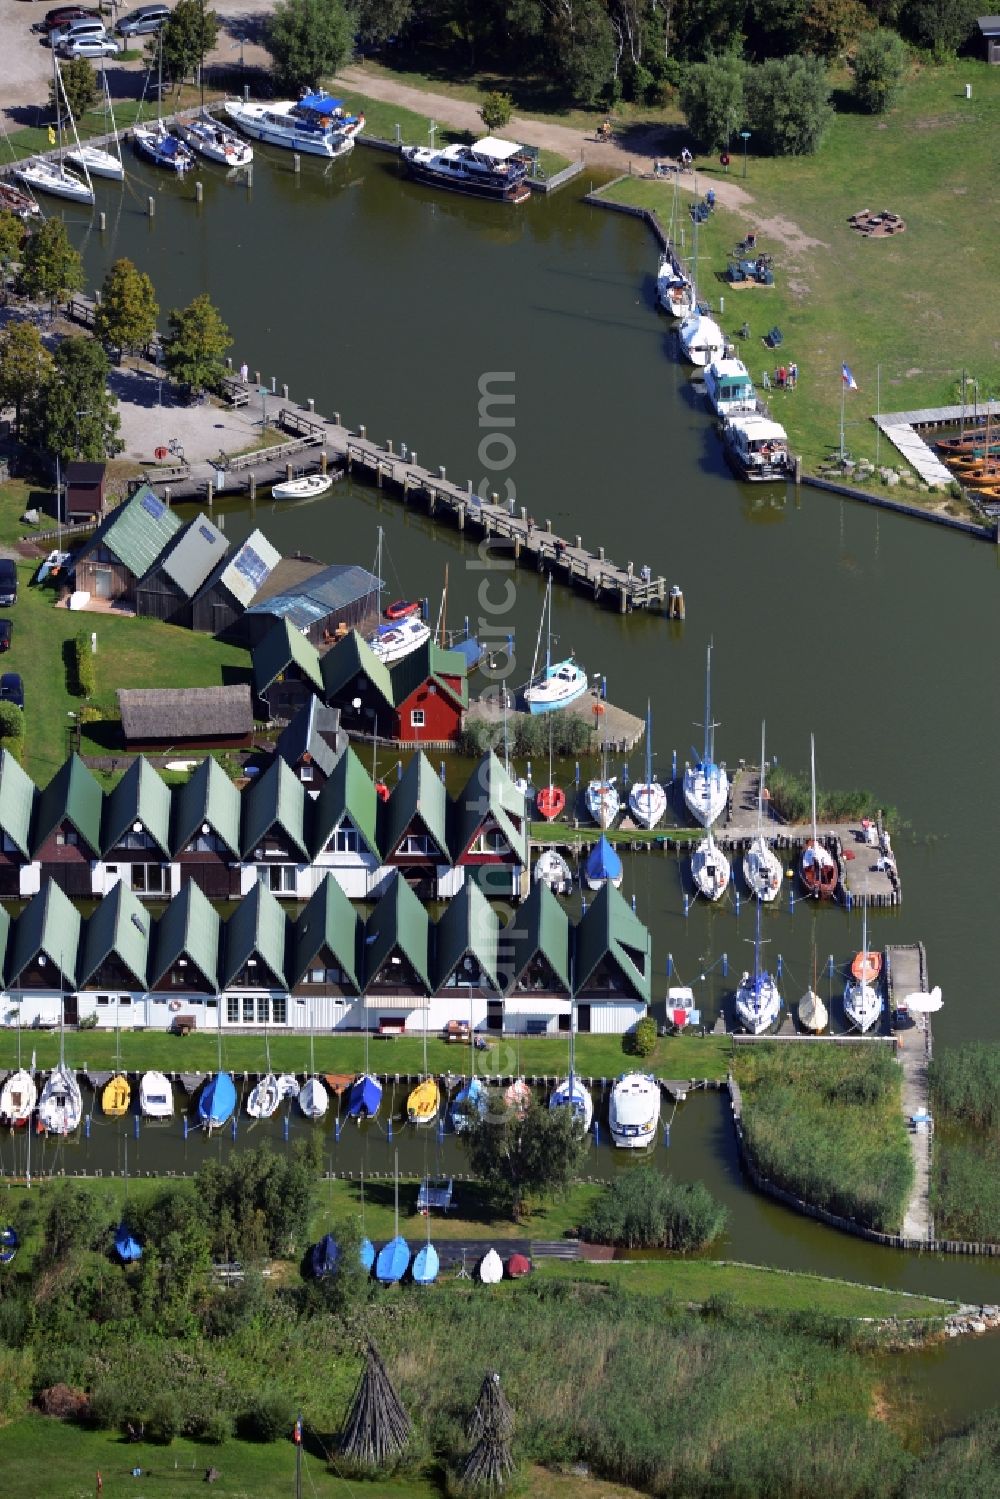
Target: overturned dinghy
x,y
490,1269
813,1014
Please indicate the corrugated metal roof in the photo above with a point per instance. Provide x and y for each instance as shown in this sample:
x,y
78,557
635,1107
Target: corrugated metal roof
x,y
256,929
193,556
17,800
330,921
248,570
334,588
120,926
138,531
208,797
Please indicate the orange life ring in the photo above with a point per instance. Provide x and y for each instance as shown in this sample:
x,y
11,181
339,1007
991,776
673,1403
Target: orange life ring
x,y
599,708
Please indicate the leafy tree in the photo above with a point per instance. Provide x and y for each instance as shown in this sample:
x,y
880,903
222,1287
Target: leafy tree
x,y
270,1415
496,110
711,97
195,347
11,722
830,26
12,237
258,1202
789,105
73,1221
24,362
646,1210
188,34
879,65
51,268
941,25
774,27
126,317
75,415
80,84
579,48
379,21
536,1156
309,39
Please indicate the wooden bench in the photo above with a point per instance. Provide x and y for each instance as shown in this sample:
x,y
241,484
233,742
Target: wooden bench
x,y
185,1024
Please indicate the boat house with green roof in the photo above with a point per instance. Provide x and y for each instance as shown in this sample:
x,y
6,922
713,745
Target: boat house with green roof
x,y
124,548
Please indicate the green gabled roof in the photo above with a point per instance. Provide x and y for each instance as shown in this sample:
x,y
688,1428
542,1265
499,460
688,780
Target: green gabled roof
x,y
419,797
278,798
350,790
540,925
610,929
209,796
189,928
4,943
17,800
140,796
281,647
399,920
352,657
469,925
330,921
119,925
72,795
256,928
48,925
431,663
137,531
490,793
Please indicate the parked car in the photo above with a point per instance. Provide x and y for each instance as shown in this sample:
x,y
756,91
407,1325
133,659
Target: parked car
x,y
73,29
62,15
89,46
8,581
6,633
12,689
144,21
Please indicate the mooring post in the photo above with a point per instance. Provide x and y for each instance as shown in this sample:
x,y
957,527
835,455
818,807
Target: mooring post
x,y
151,207
388,446
284,392
296,162
362,431
102,220
441,471
288,473
323,461
413,457
199,191
211,493
336,418
311,405
253,489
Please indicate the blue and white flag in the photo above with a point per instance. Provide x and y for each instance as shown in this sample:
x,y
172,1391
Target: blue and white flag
x,y
849,381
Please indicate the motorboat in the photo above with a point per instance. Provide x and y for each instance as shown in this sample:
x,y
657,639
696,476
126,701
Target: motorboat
x,y
706,784
308,487
817,866
402,608
757,448
393,643
216,1101
634,1111
156,144
315,124
214,142
314,1100
758,998
60,1107
45,175
264,1097
365,1097
602,801
675,291
701,339
489,168
470,1103
116,1096
21,205
571,1093
647,800
603,866
560,682
18,1098
761,865
862,998
424,1101
156,1097
680,1007
552,869
709,868
728,387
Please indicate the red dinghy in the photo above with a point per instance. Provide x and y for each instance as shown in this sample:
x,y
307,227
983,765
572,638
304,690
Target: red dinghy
x,y
550,801
866,967
402,609
518,1265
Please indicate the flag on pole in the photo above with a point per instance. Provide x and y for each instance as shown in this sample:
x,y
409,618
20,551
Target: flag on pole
x,y
52,136
297,1432
849,381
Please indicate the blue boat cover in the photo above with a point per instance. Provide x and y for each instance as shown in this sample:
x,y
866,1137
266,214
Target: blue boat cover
x,y
320,103
324,1256
168,146
127,1247
365,1097
602,861
425,1265
9,1243
392,1261
471,1098
218,1099
367,1253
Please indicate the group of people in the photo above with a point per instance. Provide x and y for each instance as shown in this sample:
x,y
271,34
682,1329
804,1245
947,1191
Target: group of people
x,y
786,376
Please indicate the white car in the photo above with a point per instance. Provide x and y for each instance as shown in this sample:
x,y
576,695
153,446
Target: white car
x,y
89,46
71,30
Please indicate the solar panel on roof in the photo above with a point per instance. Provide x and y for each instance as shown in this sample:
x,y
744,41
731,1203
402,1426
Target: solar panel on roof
x,y
208,535
250,565
152,505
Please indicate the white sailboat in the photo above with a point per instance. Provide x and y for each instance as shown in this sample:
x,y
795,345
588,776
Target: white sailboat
x,y
95,159
862,999
758,998
634,1111
314,1100
266,1094
601,796
647,800
706,785
813,1015
154,140
561,682
709,868
701,340
570,1091
761,866
50,174
18,1098
60,1107
674,290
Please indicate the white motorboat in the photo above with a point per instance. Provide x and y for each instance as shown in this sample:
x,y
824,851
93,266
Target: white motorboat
x,y
761,866
571,1092
489,168
41,174
701,339
156,1096
647,800
681,1008
757,448
706,785
674,290
862,997
214,142
709,868
634,1111
21,205
18,1097
729,387
264,1097
60,1107
315,125
314,1100
560,682
308,487
552,869
602,801
758,999
393,642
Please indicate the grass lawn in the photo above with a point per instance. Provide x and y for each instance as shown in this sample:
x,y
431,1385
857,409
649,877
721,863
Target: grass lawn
x,y
548,832
127,111
868,303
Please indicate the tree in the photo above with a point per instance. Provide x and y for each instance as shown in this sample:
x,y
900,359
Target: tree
x,y
80,85
24,363
194,349
51,267
188,34
788,103
580,48
536,1156
830,26
75,415
941,25
879,65
496,110
11,722
126,317
711,97
12,237
309,39
380,21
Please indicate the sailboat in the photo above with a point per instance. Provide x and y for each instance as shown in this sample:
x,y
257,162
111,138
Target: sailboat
x,y
490,1270
817,867
469,1102
156,1097
570,1092
426,1262
709,868
51,174
424,1100
758,999
601,797
761,867
217,1099
560,682
393,1258
862,1000
553,870
551,799
366,1249
19,1093
60,1107
706,785
517,1096
603,866
813,1014
155,142
324,1257
675,289
95,159
264,1097
647,800
117,1093
314,1100
127,1246
211,140
365,1097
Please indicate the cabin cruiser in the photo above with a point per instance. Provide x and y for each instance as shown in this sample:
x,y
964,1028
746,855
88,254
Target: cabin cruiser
x,y
634,1111
756,447
316,124
490,168
728,387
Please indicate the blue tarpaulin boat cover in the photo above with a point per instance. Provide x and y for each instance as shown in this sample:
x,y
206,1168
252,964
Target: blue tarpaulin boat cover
x,y
365,1097
425,1265
324,1256
320,104
218,1100
603,863
367,1252
127,1248
9,1242
392,1261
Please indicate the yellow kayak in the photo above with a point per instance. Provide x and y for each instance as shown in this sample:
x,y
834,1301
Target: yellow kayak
x,y
116,1095
424,1101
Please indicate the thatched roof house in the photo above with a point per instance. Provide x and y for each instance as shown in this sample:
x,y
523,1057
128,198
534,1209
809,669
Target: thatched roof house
x,y
188,715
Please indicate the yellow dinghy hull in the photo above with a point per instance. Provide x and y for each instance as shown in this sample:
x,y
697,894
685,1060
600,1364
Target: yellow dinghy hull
x,y
116,1096
424,1102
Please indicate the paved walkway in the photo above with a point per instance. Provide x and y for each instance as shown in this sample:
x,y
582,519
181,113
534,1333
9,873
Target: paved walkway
x,y
907,975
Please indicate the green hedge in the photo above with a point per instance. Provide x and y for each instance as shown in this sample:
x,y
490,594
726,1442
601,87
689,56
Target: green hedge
x,y
84,682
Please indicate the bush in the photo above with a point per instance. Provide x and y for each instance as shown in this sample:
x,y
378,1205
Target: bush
x,y
269,1417
63,1402
711,97
83,681
646,1210
165,1420
641,1041
114,1405
789,105
879,64
11,723
214,1427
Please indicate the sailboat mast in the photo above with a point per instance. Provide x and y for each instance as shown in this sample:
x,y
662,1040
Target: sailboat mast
x,y
812,763
649,742
708,706
760,785
541,627
548,635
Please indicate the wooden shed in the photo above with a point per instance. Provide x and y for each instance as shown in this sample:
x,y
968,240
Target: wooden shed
x,y
158,716
85,491
989,26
